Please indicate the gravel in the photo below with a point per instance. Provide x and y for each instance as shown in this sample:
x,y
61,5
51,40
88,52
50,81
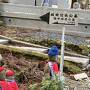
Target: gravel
x,y
77,85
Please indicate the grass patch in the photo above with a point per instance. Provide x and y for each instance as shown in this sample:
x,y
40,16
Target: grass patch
x,y
70,67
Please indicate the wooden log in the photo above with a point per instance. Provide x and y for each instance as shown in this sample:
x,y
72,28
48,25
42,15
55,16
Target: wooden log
x,y
39,46
43,56
31,48
21,42
0,57
39,56
3,41
24,52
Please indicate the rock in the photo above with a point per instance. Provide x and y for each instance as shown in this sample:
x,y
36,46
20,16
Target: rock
x,y
80,76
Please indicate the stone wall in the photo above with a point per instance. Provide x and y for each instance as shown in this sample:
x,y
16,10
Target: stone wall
x,y
31,17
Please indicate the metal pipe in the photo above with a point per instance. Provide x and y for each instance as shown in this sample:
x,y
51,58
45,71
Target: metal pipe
x,y
62,54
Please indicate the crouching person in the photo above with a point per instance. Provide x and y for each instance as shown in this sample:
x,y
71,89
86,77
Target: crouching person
x,y
10,79
3,83
51,69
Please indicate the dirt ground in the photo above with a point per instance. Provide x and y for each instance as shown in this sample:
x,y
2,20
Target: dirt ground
x,y
27,70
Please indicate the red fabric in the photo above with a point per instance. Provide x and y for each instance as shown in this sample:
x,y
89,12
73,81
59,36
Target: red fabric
x,y
4,85
55,68
10,73
1,69
13,85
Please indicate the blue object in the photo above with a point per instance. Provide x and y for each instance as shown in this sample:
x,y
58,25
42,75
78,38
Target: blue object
x,y
53,51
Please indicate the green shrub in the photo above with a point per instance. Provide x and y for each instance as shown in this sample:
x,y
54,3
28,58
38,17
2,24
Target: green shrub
x,y
48,84
71,67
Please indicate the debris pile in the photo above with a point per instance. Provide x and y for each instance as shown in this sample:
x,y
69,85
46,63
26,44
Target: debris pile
x,y
27,70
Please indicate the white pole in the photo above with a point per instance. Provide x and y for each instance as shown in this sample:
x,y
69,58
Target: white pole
x,y
62,54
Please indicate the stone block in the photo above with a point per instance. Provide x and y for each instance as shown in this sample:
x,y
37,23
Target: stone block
x,y
80,76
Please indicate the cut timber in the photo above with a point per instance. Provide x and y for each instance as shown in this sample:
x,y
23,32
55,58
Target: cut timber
x,y
21,42
0,57
3,41
79,60
30,49
69,53
24,52
34,54
38,46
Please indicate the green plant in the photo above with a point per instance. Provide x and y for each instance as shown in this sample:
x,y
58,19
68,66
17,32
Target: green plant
x,y
48,84
51,85
71,67
33,87
85,49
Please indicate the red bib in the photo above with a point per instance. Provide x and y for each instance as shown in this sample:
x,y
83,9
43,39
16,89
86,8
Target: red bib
x,y
55,68
13,85
4,85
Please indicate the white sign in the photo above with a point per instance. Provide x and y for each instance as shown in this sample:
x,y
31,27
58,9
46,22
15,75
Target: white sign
x,y
63,18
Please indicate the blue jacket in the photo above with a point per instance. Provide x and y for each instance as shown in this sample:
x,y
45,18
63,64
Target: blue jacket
x,y
53,51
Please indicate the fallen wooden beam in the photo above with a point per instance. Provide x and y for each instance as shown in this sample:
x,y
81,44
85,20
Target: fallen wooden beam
x,y
77,60
35,54
24,52
31,49
3,41
21,42
38,46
